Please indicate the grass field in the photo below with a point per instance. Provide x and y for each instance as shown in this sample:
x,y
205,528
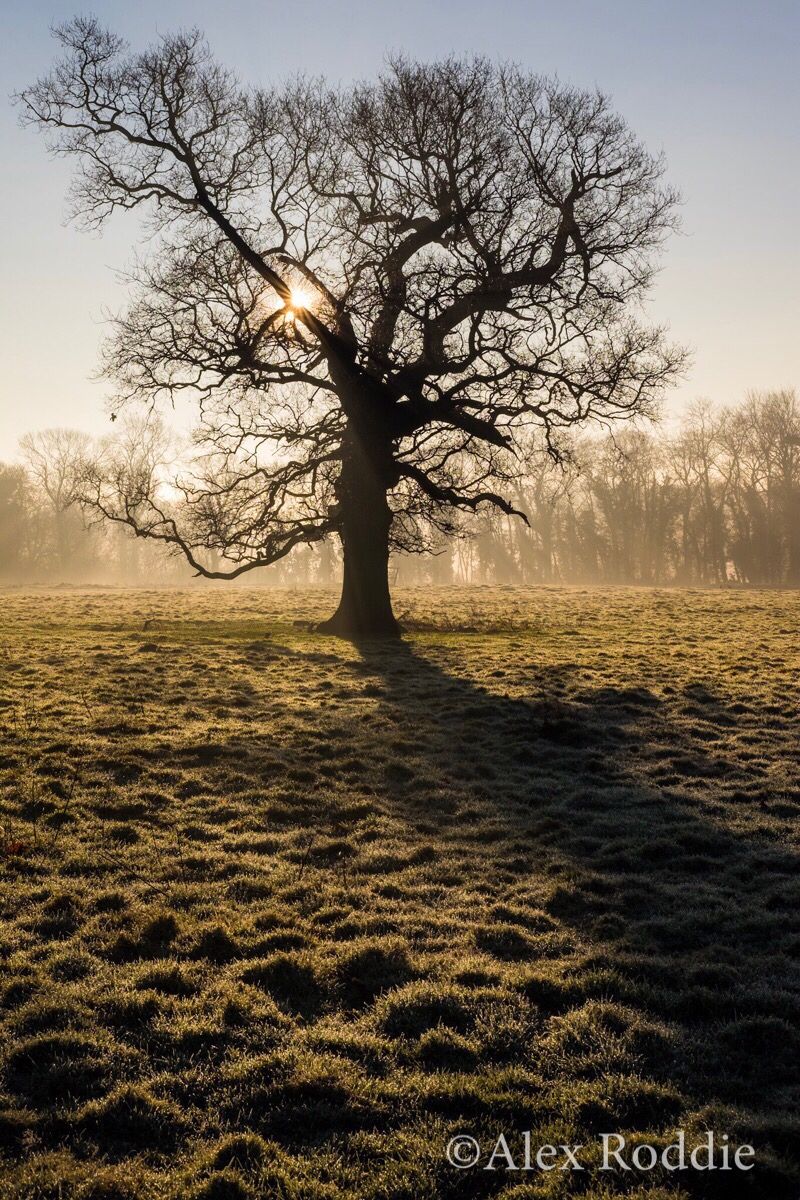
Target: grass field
x,y
282,915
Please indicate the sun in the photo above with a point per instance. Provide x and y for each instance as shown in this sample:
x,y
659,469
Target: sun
x,y
299,298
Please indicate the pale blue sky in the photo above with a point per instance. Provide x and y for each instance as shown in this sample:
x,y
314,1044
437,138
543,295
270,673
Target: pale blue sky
x,y
714,84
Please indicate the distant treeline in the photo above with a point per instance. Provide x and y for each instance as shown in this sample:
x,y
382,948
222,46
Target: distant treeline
x,y
715,502
45,537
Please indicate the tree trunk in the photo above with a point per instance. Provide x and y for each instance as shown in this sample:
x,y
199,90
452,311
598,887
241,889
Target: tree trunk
x,y
365,608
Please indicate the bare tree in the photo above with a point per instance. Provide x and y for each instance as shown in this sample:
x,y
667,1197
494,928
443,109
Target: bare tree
x,y
55,460
761,440
19,524
373,293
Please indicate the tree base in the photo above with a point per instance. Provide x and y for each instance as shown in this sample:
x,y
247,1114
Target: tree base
x,y
341,626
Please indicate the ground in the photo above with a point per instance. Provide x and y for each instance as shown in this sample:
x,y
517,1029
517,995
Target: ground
x,y
281,915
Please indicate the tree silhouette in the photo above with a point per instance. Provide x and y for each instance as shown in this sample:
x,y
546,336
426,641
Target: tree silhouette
x,y
54,458
374,294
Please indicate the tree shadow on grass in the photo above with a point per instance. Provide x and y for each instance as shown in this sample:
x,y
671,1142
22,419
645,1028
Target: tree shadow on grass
x,y
593,874
648,836
636,833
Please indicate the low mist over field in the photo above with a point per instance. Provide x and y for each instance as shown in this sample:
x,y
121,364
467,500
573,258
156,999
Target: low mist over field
x,y
716,501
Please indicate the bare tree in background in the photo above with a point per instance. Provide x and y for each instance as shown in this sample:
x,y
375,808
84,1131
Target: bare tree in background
x,y
55,460
761,440
373,294
17,528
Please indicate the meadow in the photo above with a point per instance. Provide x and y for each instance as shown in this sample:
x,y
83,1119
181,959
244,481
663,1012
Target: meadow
x,y
281,915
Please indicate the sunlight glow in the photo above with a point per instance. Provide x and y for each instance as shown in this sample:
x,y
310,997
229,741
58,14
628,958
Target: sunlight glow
x,y
300,299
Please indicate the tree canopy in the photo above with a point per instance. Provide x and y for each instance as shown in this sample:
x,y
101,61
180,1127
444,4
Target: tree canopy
x,y
374,293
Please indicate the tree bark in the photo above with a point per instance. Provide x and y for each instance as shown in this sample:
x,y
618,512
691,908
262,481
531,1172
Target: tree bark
x,y
365,607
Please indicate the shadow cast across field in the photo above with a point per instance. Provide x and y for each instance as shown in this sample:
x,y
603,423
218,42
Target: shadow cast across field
x,y
458,883
289,913
604,846
651,849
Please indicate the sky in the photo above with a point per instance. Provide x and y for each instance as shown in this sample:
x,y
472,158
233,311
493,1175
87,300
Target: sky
x,y
712,83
